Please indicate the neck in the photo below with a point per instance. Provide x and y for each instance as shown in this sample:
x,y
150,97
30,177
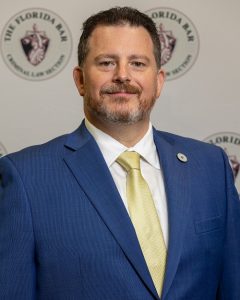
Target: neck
x,y
126,134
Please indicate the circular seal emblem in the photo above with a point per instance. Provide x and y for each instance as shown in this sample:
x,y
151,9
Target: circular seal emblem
x,y
179,40
36,44
230,142
2,150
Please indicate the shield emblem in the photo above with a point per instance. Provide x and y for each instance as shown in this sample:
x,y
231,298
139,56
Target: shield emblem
x,y
168,42
35,44
235,164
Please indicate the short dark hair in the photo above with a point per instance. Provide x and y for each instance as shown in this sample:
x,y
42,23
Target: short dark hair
x,y
118,16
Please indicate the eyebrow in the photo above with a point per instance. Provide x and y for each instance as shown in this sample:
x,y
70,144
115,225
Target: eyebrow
x,y
115,57
144,57
112,56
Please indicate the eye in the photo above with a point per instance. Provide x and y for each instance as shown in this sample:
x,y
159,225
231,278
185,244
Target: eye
x,y
106,63
138,64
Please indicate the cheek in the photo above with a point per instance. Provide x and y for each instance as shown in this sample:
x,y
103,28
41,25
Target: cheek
x,y
91,88
148,83
149,89
154,86
94,83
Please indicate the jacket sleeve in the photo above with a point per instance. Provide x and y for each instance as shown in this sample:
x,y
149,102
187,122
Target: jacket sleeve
x,y
17,268
229,288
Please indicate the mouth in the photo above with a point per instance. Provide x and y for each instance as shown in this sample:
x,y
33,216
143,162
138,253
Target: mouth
x,y
121,93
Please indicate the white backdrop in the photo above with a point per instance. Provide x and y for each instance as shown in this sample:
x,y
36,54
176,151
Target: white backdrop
x,y
202,102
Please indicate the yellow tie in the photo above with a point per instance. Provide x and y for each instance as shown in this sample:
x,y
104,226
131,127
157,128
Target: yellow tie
x,y
144,218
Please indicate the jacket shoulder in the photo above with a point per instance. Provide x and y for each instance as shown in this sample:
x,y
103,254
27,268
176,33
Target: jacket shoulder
x,y
187,142
198,150
48,151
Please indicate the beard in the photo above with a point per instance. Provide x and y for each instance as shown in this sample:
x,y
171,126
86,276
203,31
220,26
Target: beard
x,y
119,109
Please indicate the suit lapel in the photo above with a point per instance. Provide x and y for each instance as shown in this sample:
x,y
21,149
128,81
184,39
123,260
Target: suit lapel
x,y
176,179
90,170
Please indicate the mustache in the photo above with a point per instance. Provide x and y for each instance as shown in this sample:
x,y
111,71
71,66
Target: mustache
x,y
120,88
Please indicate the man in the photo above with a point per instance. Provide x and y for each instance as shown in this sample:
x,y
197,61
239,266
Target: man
x,y
78,221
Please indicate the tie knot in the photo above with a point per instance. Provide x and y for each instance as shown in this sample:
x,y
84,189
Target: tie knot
x,y
129,160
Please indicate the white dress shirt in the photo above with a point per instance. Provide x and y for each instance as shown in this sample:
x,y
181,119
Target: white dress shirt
x,y
150,168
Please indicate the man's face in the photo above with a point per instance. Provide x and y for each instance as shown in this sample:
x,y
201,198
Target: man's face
x,y
119,79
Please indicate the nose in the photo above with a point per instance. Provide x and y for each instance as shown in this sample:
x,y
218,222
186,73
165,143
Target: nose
x,y
121,74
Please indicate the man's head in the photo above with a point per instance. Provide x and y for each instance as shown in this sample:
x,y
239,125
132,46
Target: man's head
x,y
118,16
119,72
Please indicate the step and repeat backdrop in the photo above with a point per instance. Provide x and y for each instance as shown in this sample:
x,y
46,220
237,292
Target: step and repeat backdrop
x,y
200,54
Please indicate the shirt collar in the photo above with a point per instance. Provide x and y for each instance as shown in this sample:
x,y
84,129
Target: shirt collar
x,y
111,148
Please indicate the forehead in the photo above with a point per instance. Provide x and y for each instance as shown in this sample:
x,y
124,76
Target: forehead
x,y
120,38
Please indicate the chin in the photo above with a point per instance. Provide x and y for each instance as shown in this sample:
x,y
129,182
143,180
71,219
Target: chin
x,y
124,117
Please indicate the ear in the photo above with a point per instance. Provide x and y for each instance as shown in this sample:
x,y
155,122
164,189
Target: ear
x,y
78,77
160,81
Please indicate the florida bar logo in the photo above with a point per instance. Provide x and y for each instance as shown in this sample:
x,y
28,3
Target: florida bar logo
x,y
36,44
179,40
230,143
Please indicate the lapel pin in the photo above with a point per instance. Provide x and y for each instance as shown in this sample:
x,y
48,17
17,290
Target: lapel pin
x,y
182,157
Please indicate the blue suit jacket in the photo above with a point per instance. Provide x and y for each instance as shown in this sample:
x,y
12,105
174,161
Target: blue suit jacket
x,y
65,233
